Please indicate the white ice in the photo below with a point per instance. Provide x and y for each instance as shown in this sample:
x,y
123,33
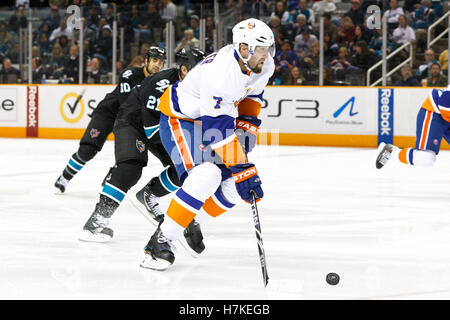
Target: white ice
x,y
385,232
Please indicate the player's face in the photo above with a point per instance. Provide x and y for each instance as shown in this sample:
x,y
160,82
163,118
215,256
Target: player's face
x,y
155,65
256,62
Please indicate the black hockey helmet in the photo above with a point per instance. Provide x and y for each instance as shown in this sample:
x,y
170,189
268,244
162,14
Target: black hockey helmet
x,y
156,52
189,56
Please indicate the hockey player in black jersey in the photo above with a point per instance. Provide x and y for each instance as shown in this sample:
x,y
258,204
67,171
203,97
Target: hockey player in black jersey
x,y
136,131
103,117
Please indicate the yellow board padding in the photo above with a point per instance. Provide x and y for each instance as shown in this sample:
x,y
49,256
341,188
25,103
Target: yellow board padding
x,y
264,138
13,132
46,133
63,133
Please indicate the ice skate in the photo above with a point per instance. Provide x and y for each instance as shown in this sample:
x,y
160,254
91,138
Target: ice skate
x,y
385,154
95,229
148,204
159,252
192,239
61,184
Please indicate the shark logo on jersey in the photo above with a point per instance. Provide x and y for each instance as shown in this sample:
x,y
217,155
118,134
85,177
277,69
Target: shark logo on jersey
x,y
126,74
94,133
162,85
140,145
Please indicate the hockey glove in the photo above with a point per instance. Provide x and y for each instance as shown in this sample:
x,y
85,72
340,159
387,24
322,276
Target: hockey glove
x,y
246,131
246,178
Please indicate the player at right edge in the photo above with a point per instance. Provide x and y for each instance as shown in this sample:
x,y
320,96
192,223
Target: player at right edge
x,y
201,118
433,124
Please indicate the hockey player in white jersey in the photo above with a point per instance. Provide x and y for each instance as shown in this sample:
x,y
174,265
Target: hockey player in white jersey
x,y
203,122
433,124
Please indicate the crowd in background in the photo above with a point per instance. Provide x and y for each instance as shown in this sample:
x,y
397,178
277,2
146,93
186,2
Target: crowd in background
x,y
351,44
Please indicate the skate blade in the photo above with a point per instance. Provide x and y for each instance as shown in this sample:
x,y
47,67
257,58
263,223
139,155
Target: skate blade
x,y
143,210
57,191
88,236
154,264
185,245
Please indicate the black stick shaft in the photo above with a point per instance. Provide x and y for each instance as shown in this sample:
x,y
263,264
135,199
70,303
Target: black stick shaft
x,y
262,255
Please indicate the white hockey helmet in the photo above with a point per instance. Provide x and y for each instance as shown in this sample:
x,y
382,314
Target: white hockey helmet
x,y
254,33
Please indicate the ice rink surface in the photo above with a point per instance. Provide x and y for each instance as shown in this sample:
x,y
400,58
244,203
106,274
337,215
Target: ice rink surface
x,y
385,232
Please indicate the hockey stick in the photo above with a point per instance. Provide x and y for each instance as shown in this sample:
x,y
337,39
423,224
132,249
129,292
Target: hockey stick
x,y
262,255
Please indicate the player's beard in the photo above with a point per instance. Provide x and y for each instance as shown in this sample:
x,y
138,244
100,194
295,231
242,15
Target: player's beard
x,y
257,68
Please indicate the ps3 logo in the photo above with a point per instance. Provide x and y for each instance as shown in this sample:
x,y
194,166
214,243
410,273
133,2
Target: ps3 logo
x,y
308,108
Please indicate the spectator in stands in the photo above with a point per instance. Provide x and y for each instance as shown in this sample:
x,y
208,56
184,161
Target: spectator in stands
x,y
410,6
6,43
361,34
422,17
376,43
330,48
210,29
443,60
92,18
9,74
278,30
153,21
56,58
297,27
188,40
109,14
295,77
43,43
285,59
65,44
423,71
62,30
255,8
71,65
312,59
436,78
103,46
167,10
346,31
303,9
407,79
38,73
403,33
96,73
281,12
54,19
437,7
304,41
328,26
342,62
45,28
363,58
142,29
18,20
194,24
392,14
323,6
355,13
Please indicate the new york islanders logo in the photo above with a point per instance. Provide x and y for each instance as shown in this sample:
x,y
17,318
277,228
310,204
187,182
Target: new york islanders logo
x,y
251,25
140,145
94,133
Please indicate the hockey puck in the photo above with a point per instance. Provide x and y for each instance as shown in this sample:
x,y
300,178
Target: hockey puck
x,y
332,278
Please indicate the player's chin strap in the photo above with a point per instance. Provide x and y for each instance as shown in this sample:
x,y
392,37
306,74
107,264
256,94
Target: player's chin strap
x,y
244,61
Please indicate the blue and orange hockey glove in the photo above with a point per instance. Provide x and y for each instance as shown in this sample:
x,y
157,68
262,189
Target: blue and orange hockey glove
x,y
246,178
